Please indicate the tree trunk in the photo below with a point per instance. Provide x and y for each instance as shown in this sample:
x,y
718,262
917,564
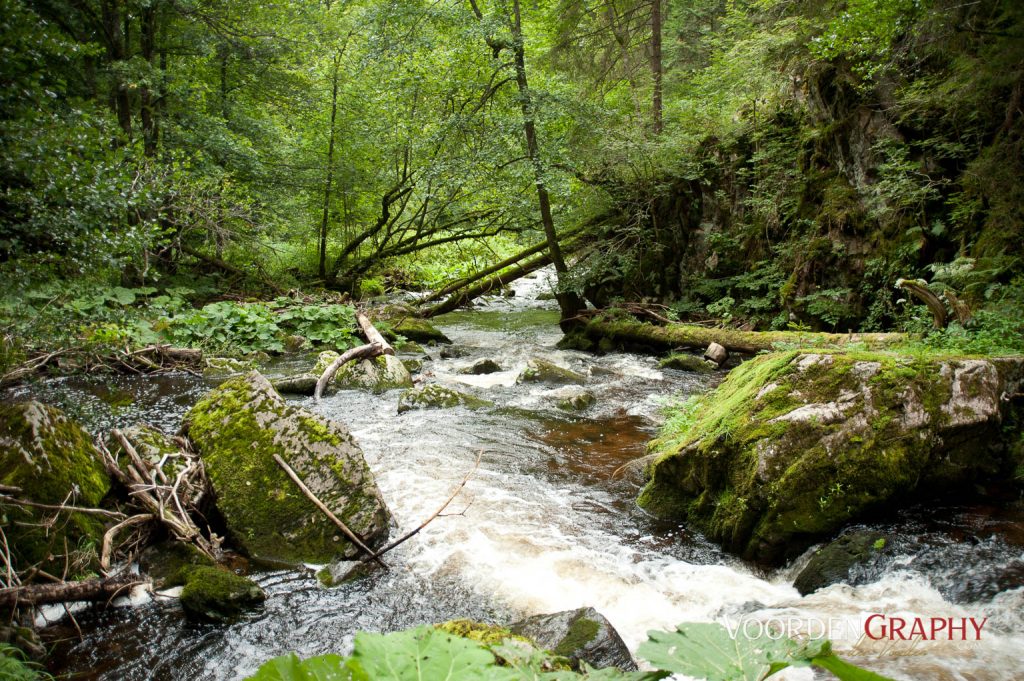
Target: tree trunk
x,y
67,592
322,266
115,39
569,302
147,42
464,295
657,67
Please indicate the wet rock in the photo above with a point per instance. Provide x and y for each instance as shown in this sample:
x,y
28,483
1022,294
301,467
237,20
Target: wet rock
x,y
296,343
376,375
580,635
301,384
574,398
53,461
795,445
685,362
169,562
834,562
542,371
481,367
238,428
212,594
575,341
152,445
546,295
454,352
419,330
481,632
413,366
434,396
224,366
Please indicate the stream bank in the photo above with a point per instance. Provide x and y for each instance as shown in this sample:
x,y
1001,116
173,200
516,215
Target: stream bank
x,y
547,526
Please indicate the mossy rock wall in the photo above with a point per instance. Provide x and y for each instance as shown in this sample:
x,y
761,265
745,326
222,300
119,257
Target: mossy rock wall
x,y
793,446
238,428
53,460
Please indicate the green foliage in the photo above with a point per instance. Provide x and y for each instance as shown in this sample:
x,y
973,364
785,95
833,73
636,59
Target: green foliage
x,y
15,666
330,324
701,650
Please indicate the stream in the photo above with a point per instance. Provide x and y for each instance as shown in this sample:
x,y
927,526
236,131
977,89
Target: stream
x,y
543,526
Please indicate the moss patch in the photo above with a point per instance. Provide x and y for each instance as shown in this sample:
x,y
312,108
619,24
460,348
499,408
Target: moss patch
x,y
434,396
542,371
216,595
685,362
53,460
581,632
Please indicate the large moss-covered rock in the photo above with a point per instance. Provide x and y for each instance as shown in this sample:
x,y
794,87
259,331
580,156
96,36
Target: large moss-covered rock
x,y
542,371
213,594
378,375
434,396
238,428
53,461
579,635
793,446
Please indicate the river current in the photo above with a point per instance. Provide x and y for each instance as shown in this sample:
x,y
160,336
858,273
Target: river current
x,y
543,526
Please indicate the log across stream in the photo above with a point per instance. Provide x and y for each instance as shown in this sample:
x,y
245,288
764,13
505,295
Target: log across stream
x,y
546,527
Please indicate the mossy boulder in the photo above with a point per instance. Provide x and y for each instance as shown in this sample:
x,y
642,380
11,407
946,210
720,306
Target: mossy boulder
x,y
53,461
838,560
413,365
684,362
481,632
238,428
300,384
415,329
169,562
582,635
377,375
542,371
434,396
213,594
152,445
793,446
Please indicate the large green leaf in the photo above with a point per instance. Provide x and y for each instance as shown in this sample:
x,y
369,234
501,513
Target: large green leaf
x,y
845,671
290,668
705,650
422,654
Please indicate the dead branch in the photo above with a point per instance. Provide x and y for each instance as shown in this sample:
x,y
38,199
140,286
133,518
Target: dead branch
x,y
436,513
61,507
66,592
362,352
919,289
319,504
108,537
372,334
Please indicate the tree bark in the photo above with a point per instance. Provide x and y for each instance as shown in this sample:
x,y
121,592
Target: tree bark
x,y
322,267
657,66
147,43
569,302
67,592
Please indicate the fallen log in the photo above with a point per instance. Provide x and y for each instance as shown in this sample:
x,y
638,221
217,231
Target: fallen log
x,y
673,336
507,262
100,589
465,295
373,335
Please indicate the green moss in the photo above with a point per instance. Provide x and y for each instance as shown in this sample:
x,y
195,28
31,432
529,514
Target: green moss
x,y
575,341
581,632
237,429
416,329
542,371
435,396
378,374
217,595
685,362
488,634
53,460
170,562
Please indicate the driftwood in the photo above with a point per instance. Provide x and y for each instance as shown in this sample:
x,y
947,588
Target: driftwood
x,y
465,295
433,516
66,592
919,289
319,504
168,503
377,346
108,537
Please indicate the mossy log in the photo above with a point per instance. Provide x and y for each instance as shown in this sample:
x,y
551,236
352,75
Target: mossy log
x,y
674,336
67,592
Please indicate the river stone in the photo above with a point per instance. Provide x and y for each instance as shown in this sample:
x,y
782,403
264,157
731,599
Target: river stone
x,y
412,365
300,384
434,396
542,371
53,460
686,362
834,562
419,330
574,398
454,352
214,594
377,375
580,635
238,428
795,445
482,367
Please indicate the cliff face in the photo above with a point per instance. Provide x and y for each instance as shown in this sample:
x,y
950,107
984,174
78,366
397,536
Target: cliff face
x,y
822,200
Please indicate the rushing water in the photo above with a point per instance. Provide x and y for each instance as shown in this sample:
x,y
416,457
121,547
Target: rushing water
x,y
543,526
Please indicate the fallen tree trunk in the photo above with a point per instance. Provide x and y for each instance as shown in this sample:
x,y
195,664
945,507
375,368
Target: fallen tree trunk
x,y
373,335
674,336
67,592
486,286
507,262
